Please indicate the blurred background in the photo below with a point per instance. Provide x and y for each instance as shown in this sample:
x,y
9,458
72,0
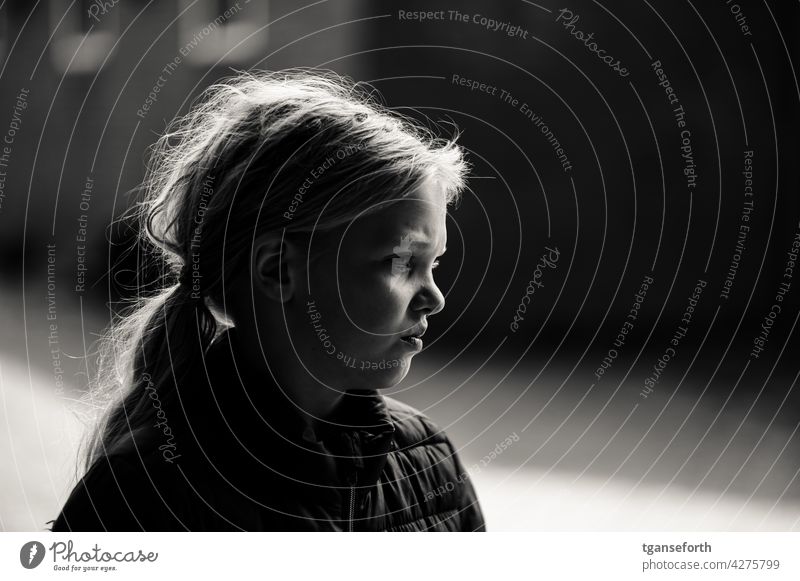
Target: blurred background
x,y
662,170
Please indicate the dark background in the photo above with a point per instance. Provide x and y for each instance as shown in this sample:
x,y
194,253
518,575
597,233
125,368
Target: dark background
x,y
718,430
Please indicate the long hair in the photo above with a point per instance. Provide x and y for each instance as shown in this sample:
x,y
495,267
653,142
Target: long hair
x,y
291,151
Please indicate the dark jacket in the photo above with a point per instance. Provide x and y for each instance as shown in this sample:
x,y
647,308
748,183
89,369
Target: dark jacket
x,y
236,457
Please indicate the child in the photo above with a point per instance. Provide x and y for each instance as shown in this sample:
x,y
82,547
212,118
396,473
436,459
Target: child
x,y
245,395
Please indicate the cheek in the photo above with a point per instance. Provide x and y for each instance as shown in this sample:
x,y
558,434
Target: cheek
x,y
377,301
371,297
366,296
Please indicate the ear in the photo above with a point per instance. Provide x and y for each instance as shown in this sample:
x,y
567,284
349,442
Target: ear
x,y
275,262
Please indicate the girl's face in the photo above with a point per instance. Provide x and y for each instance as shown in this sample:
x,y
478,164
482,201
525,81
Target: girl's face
x,y
370,292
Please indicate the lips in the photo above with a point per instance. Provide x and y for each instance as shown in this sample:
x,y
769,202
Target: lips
x,y
414,338
417,331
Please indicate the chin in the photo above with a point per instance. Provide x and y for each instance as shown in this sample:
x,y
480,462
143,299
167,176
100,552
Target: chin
x,y
380,374
390,380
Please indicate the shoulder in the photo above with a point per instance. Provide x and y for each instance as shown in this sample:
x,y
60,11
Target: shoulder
x,y
430,459
124,492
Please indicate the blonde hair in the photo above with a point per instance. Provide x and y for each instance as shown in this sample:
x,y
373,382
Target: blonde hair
x,y
235,165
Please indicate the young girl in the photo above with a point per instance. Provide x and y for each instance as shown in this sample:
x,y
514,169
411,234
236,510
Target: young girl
x,y
300,223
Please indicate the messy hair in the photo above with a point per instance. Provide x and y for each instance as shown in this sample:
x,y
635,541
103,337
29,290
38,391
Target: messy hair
x,y
243,161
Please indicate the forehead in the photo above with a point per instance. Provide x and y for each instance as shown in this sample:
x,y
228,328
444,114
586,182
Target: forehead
x,y
421,218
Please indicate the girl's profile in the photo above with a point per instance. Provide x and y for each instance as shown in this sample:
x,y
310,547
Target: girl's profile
x,y
299,224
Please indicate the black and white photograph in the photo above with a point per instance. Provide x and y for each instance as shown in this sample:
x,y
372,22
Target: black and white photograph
x,y
401,266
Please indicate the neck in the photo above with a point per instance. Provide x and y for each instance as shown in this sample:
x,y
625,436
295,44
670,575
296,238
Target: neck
x,y
312,400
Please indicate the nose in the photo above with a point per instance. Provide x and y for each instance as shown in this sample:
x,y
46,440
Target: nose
x,y
429,299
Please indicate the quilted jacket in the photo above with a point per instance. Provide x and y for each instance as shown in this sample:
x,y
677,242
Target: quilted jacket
x,y
239,457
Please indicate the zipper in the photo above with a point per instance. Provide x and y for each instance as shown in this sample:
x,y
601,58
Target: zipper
x,y
351,524
352,506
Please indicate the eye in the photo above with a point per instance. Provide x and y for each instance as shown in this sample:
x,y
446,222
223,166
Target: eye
x,y
400,263
406,263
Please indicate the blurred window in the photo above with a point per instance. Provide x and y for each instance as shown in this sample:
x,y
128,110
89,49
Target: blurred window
x,y
222,31
83,33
